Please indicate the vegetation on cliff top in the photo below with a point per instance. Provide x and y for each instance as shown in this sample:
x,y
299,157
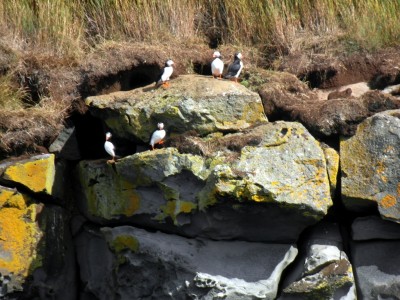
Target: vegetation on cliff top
x,y
70,26
38,37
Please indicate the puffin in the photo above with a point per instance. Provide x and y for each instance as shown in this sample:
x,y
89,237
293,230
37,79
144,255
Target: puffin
x,y
158,136
217,65
109,147
235,68
163,78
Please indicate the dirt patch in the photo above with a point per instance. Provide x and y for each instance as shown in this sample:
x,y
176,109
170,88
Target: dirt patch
x,y
378,69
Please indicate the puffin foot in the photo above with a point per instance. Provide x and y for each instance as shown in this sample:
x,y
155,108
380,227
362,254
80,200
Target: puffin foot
x,y
111,161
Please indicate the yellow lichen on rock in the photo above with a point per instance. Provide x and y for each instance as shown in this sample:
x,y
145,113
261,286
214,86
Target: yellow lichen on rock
x,y
173,208
19,236
37,174
11,198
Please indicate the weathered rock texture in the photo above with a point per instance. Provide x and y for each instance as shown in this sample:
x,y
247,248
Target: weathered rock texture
x,y
135,264
375,261
323,270
191,103
268,191
36,249
369,162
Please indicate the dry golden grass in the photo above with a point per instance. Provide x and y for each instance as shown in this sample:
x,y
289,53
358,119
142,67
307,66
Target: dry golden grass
x,y
230,144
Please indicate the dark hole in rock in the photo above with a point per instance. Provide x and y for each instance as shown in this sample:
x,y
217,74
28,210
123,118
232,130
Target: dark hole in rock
x,y
202,69
125,80
90,134
317,78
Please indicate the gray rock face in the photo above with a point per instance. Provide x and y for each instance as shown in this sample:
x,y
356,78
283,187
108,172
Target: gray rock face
x,y
323,271
192,103
373,227
376,268
270,192
369,161
66,145
136,264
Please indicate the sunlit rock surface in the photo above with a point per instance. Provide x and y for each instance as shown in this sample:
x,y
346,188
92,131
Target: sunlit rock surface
x,y
136,264
270,191
191,103
370,166
36,173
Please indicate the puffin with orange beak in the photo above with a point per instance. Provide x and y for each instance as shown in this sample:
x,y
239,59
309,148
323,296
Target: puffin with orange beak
x,y
158,136
163,78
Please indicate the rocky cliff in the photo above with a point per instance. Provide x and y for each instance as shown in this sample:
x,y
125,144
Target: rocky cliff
x,y
231,206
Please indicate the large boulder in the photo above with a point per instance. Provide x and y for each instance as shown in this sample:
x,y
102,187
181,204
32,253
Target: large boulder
x,y
265,184
369,164
192,102
135,264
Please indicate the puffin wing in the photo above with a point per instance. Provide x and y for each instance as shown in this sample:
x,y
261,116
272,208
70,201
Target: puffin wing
x,y
234,69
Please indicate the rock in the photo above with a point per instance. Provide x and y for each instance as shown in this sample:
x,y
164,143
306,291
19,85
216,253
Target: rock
x,y
369,160
36,251
265,184
373,227
323,271
393,90
114,260
66,145
340,94
375,264
332,166
192,103
35,173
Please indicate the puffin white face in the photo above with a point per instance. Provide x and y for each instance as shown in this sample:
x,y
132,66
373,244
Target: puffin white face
x,y
169,63
160,126
239,55
108,135
216,54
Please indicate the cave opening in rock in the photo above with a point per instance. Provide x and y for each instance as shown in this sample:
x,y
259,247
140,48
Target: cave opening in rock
x,y
125,80
90,134
202,68
318,78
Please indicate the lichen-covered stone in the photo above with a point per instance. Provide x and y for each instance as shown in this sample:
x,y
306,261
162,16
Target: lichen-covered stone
x,y
369,163
36,173
191,103
275,187
19,237
136,264
36,253
332,166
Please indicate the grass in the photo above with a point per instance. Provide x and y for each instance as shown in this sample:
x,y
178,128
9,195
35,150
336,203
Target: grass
x,y
58,34
71,26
